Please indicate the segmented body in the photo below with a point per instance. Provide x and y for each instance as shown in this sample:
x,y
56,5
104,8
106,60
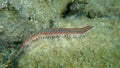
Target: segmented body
x,y
56,32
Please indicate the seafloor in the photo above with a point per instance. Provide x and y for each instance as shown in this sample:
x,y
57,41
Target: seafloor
x,y
97,48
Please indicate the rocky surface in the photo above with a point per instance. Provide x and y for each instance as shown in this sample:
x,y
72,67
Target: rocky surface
x,y
19,20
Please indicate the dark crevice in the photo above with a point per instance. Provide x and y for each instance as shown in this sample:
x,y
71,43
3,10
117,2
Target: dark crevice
x,y
67,10
17,42
74,8
51,23
88,15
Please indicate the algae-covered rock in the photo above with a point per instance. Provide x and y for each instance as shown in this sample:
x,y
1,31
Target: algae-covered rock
x,y
98,48
24,18
33,16
20,19
95,48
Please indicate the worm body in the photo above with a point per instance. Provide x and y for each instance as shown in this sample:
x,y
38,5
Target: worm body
x,y
56,32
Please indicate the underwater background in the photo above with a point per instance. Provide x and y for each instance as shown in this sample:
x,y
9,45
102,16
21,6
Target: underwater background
x,y
97,48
